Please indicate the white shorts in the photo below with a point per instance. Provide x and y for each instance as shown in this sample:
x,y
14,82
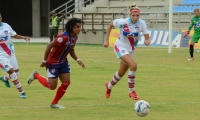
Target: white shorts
x,y
120,51
8,62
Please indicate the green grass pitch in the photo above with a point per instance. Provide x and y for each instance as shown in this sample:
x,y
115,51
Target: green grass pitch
x,y
169,82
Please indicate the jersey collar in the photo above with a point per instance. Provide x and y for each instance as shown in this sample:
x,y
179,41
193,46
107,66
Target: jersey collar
x,y
130,21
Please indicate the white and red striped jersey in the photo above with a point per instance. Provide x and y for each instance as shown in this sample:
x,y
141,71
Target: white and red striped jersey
x,y
130,32
6,45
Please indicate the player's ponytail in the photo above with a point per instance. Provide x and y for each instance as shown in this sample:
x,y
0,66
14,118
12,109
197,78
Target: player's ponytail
x,y
134,7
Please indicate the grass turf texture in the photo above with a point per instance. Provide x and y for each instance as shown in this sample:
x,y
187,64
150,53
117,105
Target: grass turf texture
x,y
169,82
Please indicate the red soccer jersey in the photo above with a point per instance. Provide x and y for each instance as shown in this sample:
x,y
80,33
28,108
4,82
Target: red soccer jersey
x,y
65,43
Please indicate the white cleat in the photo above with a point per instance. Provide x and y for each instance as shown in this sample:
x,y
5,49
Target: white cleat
x,y
56,106
31,77
191,58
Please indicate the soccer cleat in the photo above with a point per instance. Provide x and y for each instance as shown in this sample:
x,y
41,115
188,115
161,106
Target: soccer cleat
x,y
23,95
6,82
134,96
108,91
31,77
191,58
56,106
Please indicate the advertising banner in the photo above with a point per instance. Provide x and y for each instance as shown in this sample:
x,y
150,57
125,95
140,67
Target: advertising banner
x,y
159,38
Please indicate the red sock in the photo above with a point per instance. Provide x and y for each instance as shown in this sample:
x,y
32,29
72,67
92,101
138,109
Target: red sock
x,y
60,92
42,80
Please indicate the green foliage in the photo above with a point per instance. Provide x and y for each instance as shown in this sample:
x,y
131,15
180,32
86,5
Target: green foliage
x,y
169,82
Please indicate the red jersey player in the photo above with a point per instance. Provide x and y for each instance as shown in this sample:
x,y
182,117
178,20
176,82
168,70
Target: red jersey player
x,y
55,60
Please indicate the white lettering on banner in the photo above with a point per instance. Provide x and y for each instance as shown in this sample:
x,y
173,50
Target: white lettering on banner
x,y
160,37
177,41
154,37
165,39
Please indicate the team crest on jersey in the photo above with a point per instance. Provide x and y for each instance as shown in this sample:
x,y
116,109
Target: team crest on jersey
x,y
137,28
6,66
123,51
6,32
60,39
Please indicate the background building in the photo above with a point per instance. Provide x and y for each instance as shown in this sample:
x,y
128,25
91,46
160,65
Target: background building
x,y
29,17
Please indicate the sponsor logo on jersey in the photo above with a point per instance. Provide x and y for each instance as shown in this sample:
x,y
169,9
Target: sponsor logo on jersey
x,y
68,43
3,39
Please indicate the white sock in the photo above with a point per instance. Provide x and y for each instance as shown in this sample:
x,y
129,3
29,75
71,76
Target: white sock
x,y
16,82
131,81
114,80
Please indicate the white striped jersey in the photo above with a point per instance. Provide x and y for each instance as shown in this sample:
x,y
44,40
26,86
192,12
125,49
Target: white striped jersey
x,y
130,32
6,45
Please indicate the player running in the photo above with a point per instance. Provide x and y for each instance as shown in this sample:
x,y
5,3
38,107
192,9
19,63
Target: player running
x,y
124,48
8,61
55,60
195,21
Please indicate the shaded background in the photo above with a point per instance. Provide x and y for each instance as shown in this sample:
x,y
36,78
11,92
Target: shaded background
x,y
18,14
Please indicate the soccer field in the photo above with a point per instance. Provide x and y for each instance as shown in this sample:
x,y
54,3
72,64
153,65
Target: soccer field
x,y
169,82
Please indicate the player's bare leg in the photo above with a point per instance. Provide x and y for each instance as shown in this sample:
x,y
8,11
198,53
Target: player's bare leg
x,y
128,60
117,76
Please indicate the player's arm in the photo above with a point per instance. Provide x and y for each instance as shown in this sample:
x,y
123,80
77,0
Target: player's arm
x,y
187,32
47,51
15,35
21,37
147,40
190,25
73,55
106,42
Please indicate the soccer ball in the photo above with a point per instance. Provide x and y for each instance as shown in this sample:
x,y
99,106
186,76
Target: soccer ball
x,y
142,108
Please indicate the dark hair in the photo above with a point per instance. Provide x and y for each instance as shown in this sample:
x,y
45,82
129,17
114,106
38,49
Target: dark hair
x,y
71,23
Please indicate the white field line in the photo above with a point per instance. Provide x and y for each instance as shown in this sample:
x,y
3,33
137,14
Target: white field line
x,y
152,65
96,105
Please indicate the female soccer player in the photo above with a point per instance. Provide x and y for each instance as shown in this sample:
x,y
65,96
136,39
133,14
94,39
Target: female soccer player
x,y
195,21
8,61
125,47
55,60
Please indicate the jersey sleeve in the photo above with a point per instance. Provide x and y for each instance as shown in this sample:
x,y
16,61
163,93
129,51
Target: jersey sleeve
x,y
118,22
61,40
190,25
12,32
144,28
